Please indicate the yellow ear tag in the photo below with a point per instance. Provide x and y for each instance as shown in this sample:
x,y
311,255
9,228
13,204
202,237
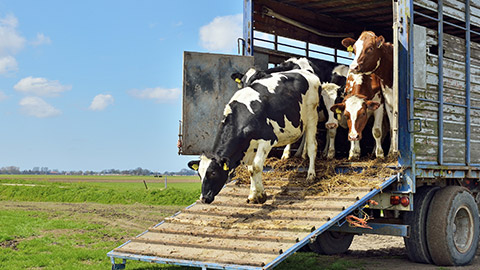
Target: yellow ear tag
x,y
225,167
237,80
350,50
195,167
339,114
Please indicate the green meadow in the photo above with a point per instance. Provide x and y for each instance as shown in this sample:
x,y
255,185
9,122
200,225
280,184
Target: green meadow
x,y
154,193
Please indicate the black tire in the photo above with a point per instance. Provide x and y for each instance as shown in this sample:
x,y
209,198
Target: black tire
x,y
416,244
452,227
329,243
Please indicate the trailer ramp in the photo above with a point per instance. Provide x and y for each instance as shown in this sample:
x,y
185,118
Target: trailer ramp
x,y
231,234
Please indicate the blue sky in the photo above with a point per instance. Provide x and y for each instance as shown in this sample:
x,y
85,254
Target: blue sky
x,y
93,85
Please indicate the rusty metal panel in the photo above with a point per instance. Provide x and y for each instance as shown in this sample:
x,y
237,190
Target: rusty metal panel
x,y
207,87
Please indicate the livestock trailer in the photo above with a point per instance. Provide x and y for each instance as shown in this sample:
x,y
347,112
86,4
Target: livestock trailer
x,y
436,121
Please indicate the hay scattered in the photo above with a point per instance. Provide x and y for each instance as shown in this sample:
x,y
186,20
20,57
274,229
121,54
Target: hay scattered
x,y
293,171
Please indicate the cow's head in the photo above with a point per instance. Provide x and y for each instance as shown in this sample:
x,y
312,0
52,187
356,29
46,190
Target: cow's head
x,y
214,175
243,80
329,95
355,109
368,51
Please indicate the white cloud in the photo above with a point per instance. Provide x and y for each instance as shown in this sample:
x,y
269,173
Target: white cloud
x,y
100,102
3,96
37,107
158,94
41,87
8,64
11,42
41,39
222,33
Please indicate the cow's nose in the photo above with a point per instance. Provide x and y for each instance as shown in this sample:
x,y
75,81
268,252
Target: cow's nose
x,y
331,125
207,200
353,137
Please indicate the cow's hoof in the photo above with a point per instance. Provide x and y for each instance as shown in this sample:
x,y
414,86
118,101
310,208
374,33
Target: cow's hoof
x,y
380,155
331,155
311,177
258,200
353,157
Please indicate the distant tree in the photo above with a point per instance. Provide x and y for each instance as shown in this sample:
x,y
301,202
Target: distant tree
x,y
10,170
187,172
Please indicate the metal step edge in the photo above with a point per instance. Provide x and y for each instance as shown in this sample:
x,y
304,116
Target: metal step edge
x,y
276,207
174,258
225,236
298,230
203,247
256,216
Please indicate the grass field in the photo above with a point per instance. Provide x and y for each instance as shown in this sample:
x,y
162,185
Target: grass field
x,y
101,178
73,223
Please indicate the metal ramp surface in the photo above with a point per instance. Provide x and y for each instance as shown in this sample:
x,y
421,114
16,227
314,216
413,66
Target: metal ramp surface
x,y
231,234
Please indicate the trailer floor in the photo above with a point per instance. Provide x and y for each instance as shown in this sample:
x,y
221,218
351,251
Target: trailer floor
x,y
230,233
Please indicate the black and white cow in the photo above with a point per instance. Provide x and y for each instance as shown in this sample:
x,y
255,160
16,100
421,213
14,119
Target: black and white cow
x,y
273,111
332,93
333,78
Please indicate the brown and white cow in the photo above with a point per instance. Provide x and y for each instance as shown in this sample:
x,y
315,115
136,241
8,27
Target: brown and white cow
x,y
375,56
363,99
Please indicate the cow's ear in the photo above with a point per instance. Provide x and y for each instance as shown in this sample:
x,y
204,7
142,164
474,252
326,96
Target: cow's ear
x,y
338,106
194,164
224,162
372,105
380,40
237,77
347,42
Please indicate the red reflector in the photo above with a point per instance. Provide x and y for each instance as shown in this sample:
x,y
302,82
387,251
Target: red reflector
x,y
394,200
405,201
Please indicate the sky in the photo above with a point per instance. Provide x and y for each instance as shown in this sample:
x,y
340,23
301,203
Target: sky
x,y
94,85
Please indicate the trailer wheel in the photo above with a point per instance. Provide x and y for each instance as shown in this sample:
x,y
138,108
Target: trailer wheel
x,y
329,243
416,244
453,227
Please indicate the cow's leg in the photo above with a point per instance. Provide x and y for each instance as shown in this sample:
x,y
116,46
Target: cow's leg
x,y
332,132
257,192
388,95
354,150
286,152
393,135
377,131
331,125
311,144
327,143
301,149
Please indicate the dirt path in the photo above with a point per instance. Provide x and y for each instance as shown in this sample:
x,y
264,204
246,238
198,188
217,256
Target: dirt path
x,y
388,252
370,251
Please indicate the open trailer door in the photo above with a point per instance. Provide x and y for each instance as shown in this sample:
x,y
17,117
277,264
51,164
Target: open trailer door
x,y
207,88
